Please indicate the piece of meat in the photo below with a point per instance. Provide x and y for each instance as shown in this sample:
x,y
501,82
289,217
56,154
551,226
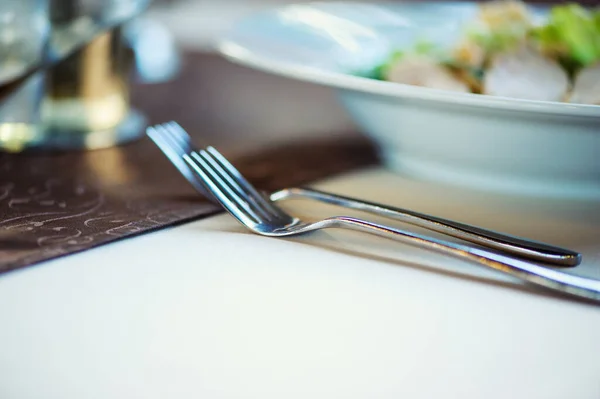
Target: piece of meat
x,y
587,86
425,72
526,74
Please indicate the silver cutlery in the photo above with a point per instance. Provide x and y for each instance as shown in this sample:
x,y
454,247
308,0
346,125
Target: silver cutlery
x,y
174,141
509,244
264,217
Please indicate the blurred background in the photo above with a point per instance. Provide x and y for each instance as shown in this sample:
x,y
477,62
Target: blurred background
x,y
70,69
196,22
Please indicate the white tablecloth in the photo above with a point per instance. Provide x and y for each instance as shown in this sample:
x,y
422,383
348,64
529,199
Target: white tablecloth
x,y
207,310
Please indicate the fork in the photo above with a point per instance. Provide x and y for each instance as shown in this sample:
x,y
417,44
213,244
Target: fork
x,y
174,141
264,217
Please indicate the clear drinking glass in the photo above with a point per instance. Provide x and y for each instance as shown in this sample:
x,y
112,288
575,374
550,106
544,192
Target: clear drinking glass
x,y
24,32
78,94
24,35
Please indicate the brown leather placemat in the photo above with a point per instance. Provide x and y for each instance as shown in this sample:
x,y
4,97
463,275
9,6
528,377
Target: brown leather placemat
x,y
277,131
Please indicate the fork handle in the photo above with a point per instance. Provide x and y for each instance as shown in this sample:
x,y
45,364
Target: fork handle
x,y
509,244
536,274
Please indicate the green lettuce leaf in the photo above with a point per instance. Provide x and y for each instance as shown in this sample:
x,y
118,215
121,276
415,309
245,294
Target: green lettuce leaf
x,y
421,47
572,33
497,40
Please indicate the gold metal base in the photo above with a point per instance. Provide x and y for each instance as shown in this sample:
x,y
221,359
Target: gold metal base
x,y
22,137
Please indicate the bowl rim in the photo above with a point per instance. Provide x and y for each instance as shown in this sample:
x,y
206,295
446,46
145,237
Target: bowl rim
x,y
236,52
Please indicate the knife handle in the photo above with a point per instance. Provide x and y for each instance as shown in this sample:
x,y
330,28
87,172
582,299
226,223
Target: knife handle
x,y
508,244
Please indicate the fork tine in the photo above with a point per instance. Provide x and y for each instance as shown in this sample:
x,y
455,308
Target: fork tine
x,y
172,139
161,137
156,133
235,177
174,149
179,135
218,182
216,187
175,143
257,203
239,198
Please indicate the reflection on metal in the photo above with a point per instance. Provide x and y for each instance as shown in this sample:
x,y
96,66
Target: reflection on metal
x,y
15,137
77,95
130,128
89,89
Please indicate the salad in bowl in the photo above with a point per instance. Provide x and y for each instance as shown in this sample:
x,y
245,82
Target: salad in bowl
x,y
498,96
505,51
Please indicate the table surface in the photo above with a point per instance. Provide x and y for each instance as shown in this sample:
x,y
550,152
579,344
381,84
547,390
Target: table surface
x,y
209,310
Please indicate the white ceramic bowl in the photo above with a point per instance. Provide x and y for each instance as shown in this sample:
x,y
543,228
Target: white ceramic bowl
x,y
492,143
